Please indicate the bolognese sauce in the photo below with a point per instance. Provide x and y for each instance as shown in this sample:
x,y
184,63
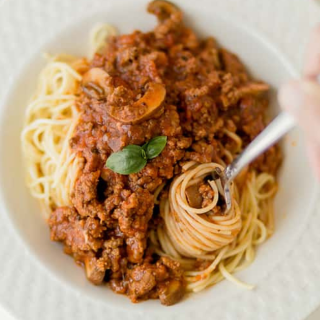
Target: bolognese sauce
x,y
166,82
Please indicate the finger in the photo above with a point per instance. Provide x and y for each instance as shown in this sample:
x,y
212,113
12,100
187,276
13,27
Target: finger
x,y
312,62
302,100
313,152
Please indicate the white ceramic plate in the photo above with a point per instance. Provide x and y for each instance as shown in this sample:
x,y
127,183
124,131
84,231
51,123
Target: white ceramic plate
x,y
37,280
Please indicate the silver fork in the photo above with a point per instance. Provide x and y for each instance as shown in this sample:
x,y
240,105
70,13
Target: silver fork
x,y
283,123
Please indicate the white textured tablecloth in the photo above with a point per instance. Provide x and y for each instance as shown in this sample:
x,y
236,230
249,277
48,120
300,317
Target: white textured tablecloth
x,y
303,31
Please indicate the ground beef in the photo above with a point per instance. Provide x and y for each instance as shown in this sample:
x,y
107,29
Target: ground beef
x,y
78,234
206,193
161,280
207,91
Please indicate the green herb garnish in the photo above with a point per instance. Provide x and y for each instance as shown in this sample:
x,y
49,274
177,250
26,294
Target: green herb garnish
x,y
133,158
154,147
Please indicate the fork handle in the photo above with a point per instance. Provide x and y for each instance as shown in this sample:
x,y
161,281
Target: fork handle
x,y
283,123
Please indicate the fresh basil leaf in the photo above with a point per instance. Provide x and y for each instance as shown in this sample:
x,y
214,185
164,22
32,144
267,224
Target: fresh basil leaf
x,y
133,158
128,160
135,149
143,154
144,146
132,147
155,146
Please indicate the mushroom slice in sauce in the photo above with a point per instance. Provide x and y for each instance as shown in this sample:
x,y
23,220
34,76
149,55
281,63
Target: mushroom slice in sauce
x,y
97,84
143,108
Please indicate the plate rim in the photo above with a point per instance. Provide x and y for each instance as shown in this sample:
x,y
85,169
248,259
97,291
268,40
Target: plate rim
x,y
8,220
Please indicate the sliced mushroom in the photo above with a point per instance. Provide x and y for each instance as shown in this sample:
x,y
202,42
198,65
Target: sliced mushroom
x,y
95,269
163,9
143,108
193,196
171,292
96,83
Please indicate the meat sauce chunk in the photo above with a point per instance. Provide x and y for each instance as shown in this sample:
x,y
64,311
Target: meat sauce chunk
x,y
166,82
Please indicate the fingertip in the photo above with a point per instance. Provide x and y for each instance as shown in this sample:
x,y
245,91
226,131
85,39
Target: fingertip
x,y
300,95
290,96
313,152
302,100
311,89
316,32
312,58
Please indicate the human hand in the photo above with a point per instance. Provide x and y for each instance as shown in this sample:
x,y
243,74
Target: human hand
x,y
301,98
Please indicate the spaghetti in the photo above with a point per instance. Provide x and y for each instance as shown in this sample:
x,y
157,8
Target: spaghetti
x,y
223,242
161,230
98,36
197,232
51,118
